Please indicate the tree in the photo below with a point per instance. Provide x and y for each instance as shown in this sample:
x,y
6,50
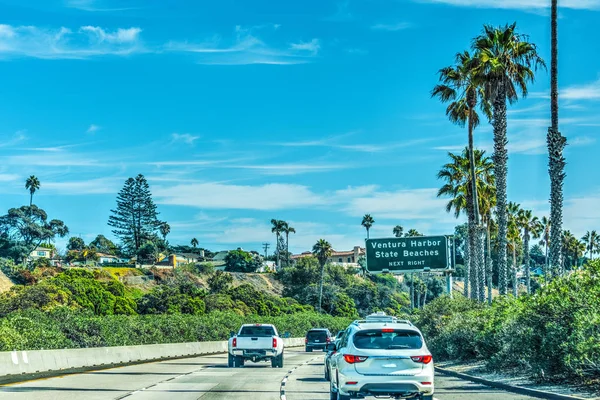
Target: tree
x,y
556,144
219,282
287,229
75,244
194,243
277,226
457,177
531,226
322,250
592,242
413,233
104,245
148,252
135,218
506,64
367,222
487,201
546,228
164,229
398,231
514,237
28,227
241,261
33,185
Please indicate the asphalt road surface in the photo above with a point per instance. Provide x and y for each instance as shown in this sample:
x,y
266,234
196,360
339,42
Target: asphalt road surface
x,y
209,377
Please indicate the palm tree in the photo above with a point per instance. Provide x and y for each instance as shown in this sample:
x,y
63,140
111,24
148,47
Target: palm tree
x,y
194,243
592,242
398,231
32,184
322,250
277,226
569,250
514,236
531,226
460,87
506,60
556,144
458,186
287,229
165,229
367,222
413,233
546,228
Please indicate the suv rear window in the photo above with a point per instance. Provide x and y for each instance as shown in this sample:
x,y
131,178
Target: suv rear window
x,y
257,331
396,339
320,335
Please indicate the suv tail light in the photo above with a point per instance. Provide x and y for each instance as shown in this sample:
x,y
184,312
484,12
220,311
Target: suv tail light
x,y
350,359
234,342
422,359
274,342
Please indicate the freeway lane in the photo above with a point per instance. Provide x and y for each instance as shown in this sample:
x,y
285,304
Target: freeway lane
x,y
209,378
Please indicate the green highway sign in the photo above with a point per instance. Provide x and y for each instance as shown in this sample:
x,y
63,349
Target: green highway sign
x,y
408,254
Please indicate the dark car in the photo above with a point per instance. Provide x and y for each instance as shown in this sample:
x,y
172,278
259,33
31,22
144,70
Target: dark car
x,y
317,339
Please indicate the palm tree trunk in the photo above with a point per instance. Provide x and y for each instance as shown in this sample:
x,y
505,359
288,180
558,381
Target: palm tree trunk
x,y
467,268
556,145
489,263
278,249
412,291
30,199
367,233
287,249
500,159
515,269
546,269
473,253
481,261
321,286
526,260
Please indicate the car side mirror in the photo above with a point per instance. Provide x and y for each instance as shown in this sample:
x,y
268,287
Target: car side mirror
x,y
330,347
231,334
286,335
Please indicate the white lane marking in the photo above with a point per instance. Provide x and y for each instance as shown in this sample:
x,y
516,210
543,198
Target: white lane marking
x,y
285,378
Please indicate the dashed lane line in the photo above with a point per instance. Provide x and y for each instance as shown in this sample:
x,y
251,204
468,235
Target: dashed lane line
x,y
285,378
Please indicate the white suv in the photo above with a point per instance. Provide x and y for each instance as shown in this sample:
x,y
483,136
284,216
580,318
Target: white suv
x,y
381,357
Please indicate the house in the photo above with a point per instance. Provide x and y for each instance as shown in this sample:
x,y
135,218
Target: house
x,y
41,252
537,271
108,259
344,258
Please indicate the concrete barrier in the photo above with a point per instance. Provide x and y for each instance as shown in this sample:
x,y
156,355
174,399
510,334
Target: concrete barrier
x,y
22,365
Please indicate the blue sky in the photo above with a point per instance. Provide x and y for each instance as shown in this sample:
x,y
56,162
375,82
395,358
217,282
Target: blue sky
x,y
240,111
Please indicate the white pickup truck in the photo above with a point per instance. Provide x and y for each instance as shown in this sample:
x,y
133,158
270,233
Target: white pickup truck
x,y
256,342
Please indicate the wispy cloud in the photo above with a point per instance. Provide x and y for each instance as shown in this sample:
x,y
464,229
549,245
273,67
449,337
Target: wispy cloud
x,y
184,138
222,196
312,47
16,138
519,4
87,187
93,5
93,129
356,51
342,13
589,91
391,27
64,43
292,168
339,142
246,48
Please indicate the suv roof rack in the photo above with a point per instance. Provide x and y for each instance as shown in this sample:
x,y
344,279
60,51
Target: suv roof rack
x,y
380,317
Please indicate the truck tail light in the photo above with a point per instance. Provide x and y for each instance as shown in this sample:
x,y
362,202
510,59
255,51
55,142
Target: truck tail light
x,y
422,359
234,342
274,342
328,339
350,359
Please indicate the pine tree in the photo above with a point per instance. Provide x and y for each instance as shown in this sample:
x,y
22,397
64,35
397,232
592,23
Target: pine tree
x,y
135,218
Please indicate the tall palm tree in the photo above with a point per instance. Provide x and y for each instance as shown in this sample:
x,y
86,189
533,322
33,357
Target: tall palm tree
x,y
569,250
546,228
33,185
592,242
506,65
556,145
287,229
458,187
532,227
460,87
194,243
165,229
514,237
277,226
367,222
322,250
398,231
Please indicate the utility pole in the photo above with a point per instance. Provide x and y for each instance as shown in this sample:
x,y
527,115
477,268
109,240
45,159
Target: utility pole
x,y
266,248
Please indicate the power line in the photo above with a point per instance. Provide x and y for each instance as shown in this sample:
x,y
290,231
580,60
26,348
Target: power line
x,y
266,248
